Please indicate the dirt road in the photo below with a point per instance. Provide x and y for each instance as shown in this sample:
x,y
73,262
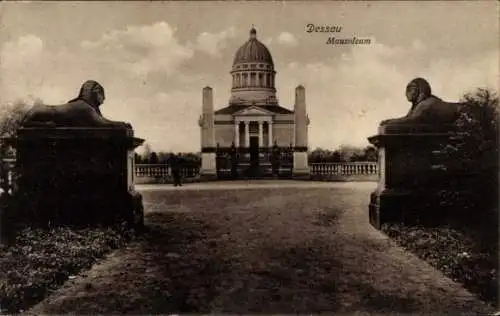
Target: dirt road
x,y
261,247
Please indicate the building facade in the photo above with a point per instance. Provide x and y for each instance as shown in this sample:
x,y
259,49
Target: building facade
x,y
253,129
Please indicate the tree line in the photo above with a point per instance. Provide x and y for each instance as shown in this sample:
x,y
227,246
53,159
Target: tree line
x,y
344,153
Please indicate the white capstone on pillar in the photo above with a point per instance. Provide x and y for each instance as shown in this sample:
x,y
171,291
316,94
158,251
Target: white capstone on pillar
x,y
261,134
270,134
247,134
208,161
237,134
300,161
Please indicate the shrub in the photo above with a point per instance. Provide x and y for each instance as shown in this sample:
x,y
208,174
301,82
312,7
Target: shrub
x,y
40,260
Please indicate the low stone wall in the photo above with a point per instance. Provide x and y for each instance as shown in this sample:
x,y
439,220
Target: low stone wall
x,y
351,171
344,178
165,180
346,171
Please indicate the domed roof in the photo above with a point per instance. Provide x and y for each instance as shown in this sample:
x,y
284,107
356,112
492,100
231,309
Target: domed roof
x,y
253,51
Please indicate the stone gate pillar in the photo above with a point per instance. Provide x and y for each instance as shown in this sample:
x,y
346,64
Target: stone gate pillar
x,y
76,166
208,156
412,170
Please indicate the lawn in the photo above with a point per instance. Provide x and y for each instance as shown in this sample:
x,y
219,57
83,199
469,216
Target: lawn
x,y
464,255
39,261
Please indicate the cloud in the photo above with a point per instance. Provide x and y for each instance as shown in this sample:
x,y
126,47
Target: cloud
x,y
288,39
213,43
141,50
27,49
19,59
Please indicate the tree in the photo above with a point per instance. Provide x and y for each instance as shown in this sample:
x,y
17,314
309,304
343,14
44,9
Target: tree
x,y
11,116
475,143
153,158
473,149
147,153
137,158
350,153
370,153
478,126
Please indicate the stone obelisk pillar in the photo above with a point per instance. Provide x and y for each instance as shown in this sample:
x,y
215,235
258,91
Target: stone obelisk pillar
x,y
300,161
208,158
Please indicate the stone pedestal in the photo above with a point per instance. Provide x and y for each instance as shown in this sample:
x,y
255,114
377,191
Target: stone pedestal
x,y
300,165
208,170
77,175
414,172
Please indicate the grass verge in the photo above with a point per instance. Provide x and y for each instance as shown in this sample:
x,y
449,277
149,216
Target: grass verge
x,y
465,256
39,261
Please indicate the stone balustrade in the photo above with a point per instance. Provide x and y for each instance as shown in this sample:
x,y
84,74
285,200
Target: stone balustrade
x,y
345,168
319,171
163,171
341,170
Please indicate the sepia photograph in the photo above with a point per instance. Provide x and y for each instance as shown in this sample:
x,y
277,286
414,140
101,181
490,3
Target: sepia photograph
x,y
249,157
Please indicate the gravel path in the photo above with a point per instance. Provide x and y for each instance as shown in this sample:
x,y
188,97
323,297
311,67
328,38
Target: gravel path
x,y
261,247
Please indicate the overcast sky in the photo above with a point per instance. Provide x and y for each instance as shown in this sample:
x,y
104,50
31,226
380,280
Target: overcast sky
x,y
153,58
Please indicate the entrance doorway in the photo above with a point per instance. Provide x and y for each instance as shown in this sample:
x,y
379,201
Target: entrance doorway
x,y
254,156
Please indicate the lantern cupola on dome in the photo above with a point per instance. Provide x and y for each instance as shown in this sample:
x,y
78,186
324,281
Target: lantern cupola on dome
x,y
253,73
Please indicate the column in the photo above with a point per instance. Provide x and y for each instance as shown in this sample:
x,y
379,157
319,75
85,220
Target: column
x,y
261,134
236,134
247,134
270,134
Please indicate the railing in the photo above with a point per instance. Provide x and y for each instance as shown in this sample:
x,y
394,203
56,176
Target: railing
x,y
361,168
164,171
336,170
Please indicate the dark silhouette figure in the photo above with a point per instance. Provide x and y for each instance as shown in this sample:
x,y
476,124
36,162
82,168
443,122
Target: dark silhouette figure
x,y
176,164
275,160
234,162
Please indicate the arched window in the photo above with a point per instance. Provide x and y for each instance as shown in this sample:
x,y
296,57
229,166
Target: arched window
x,y
253,79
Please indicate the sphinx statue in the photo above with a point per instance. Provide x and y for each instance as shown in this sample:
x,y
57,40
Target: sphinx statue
x,y
82,111
426,108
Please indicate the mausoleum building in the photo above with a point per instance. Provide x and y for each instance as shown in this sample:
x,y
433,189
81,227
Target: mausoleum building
x,y
253,123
